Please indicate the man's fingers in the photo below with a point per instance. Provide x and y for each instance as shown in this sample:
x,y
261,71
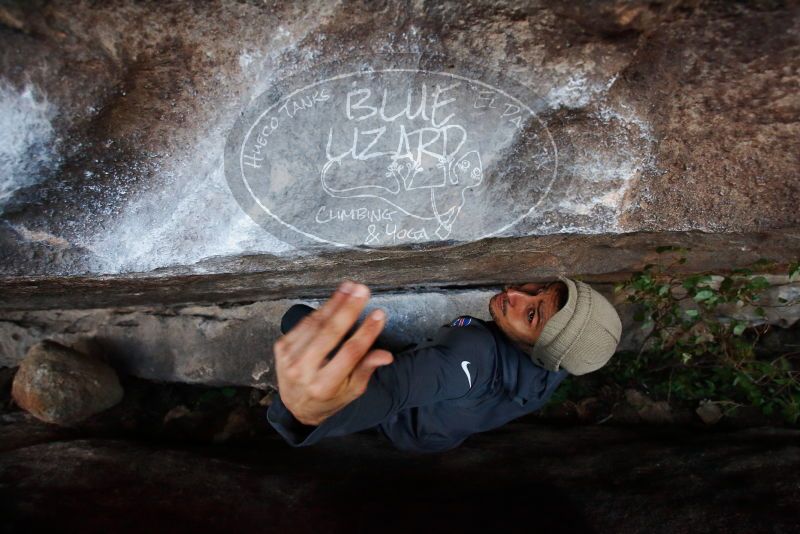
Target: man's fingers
x,y
332,329
308,327
365,368
353,350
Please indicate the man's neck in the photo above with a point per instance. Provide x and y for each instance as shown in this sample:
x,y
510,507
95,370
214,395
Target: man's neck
x,y
520,345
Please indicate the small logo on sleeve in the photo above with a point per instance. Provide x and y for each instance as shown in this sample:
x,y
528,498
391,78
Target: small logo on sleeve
x,y
462,321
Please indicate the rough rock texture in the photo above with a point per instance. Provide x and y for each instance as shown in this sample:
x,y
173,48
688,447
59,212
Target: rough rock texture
x,y
213,344
60,385
559,479
492,262
661,123
232,344
676,115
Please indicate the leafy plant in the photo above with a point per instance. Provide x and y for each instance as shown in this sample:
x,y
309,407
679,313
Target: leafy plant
x,y
694,351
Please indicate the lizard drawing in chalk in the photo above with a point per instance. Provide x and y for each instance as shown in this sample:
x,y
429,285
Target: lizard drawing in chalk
x,y
427,182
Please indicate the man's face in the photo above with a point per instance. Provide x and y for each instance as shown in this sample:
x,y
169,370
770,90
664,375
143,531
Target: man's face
x,y
522,311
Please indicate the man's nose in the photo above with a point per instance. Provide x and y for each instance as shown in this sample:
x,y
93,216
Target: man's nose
x,y
514,296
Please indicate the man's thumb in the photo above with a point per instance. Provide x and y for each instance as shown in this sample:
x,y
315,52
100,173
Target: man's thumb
x,y
370,362
378,357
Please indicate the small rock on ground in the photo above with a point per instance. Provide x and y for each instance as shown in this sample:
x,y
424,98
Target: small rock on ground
x,y
59,385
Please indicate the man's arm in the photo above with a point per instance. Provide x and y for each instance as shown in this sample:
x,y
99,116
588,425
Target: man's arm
x,y
314,388
458,364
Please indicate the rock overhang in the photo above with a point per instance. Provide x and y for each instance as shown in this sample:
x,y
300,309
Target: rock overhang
x,y
638,125
633,97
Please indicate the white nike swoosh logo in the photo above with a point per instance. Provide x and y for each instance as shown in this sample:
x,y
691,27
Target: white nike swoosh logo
x,y
464,365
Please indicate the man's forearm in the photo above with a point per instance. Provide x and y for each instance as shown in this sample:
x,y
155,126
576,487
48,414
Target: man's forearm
x,y
417,377
367,411
324,362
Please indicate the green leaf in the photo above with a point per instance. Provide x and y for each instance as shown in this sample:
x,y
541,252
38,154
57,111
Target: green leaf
x,y
663,290
692,313
690,282
696,280
705,294
760,311
794,271
739,329
759,282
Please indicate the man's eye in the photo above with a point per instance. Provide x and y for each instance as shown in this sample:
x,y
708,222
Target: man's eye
x,y
531,314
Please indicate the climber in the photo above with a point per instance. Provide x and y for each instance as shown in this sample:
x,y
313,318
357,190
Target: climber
x,y
471,377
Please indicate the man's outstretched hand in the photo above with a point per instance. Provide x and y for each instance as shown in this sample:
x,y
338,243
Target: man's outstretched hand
x,y
314,388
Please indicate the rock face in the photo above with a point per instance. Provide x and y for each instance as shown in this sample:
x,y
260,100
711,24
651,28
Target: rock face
x,y
571,480
239,153
491,262
232,343
59,385
577,117
214,344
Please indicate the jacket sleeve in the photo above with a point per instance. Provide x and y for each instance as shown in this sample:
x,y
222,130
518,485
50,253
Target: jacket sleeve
x,y
459,363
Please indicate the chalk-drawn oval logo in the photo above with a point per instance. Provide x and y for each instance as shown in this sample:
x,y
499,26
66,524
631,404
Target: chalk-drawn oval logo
x,y
383,152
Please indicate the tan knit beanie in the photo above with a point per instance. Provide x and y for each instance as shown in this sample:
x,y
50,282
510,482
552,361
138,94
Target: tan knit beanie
x,y
582,336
